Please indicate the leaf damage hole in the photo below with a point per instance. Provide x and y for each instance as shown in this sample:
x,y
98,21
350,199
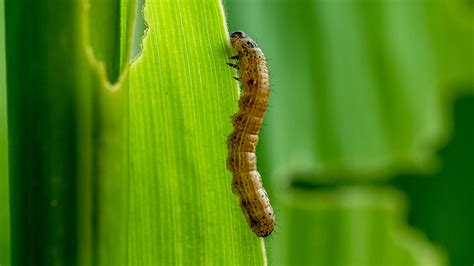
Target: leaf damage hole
x,y
140,29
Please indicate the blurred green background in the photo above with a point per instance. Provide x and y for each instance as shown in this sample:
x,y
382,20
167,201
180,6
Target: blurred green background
x,y
367,146
368,142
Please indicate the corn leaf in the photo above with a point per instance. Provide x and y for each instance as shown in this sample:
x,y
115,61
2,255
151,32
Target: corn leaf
x,y
181,97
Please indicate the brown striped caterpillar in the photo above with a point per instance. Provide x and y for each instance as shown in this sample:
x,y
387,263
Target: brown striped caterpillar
x,y
242,142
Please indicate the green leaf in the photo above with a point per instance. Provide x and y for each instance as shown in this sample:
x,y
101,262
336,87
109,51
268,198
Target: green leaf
x,y
68,128
182,94
351,225
361,91
4,187
69,158
441,202
371,82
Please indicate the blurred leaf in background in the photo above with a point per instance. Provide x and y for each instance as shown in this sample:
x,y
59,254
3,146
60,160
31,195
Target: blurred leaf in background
x,y
68,143
441,203
362,91
350,225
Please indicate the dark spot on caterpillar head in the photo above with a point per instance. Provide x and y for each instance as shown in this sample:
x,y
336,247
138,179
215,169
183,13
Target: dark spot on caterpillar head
x,y
251,82
238,34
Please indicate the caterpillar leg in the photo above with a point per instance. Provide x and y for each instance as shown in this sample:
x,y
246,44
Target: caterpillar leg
x,y
234,57
236,78
233,65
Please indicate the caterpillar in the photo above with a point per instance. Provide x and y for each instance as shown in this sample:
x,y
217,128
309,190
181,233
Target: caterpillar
x,y
242,142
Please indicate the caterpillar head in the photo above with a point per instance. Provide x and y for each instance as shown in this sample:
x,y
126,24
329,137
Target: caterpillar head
x,y
238,34
240,41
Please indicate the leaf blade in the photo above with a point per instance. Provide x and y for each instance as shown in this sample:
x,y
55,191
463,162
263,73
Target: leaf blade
x,y
182,95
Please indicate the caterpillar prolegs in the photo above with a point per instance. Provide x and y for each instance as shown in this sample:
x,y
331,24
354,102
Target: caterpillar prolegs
x,y
242,142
